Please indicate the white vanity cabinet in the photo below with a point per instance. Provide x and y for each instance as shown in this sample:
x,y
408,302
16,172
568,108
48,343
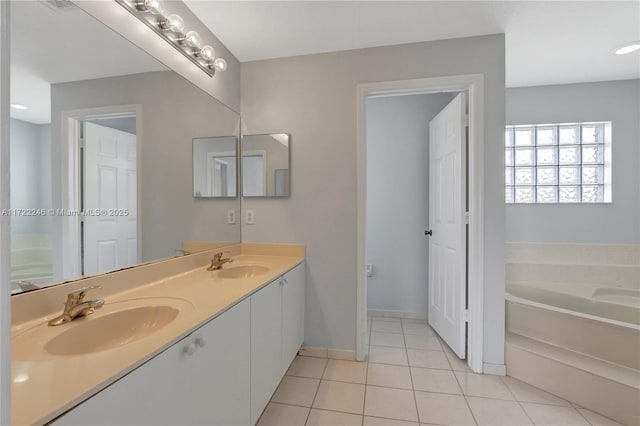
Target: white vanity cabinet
x,y
224,373
277,332
202,379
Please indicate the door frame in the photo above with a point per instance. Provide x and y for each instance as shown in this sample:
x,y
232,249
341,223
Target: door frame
x,y
212,157
473,84
71,182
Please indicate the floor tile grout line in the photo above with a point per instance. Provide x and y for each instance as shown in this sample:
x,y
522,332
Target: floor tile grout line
x,y
326,364
366,379
413,388
515,397
464,395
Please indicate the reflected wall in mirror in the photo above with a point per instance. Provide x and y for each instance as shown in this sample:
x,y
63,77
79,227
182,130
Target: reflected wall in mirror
x,y
266,165
215,173
101,152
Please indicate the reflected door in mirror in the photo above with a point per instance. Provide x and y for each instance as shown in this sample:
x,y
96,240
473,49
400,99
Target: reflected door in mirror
x,y
214,167
266,165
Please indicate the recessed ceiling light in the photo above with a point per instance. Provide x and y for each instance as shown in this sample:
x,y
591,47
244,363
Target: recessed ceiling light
x,y
628,48
18,106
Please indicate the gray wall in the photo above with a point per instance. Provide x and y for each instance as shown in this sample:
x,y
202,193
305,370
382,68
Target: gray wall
x,y
612,223
314,99
398,200
173,112
30,182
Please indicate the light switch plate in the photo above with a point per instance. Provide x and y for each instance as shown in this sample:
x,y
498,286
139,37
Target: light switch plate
x,y
249,217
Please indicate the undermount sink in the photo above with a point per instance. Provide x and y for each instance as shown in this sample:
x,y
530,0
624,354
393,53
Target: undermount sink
x,y
115,325
242,271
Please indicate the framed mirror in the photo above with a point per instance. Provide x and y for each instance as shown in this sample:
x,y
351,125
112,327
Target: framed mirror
x,y
101,138
215,171
266,165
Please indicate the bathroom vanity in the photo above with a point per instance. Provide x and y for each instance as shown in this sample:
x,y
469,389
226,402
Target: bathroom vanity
x,y
212,350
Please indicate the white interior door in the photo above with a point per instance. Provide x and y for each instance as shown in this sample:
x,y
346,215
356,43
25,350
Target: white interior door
x,y
110,237
447,242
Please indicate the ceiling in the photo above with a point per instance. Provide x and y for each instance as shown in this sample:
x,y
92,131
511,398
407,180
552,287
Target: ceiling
x,y
52,44
552,42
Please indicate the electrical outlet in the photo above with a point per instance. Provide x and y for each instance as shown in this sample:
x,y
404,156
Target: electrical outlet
x,y
249,218
231,217
369,269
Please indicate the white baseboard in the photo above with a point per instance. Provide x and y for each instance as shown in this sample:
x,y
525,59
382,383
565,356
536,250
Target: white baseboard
x,y
494,369
321,352
396,314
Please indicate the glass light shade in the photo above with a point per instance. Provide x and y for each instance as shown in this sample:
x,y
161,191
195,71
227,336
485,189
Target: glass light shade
x,y
207,53
628,48
220,64
192,39
173,23
156,7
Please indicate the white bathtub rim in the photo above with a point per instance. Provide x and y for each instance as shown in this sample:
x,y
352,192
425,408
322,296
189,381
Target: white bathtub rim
x,y
592,318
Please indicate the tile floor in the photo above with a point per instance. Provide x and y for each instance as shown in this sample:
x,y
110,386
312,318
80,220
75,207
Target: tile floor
x,y
411,378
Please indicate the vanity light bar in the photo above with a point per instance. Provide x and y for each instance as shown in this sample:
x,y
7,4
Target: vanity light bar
x,y
170,27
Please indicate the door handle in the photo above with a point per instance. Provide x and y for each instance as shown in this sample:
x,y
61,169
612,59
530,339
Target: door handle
x,y
429,232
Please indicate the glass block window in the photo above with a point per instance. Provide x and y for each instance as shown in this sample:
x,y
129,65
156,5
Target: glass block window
x,y
558,163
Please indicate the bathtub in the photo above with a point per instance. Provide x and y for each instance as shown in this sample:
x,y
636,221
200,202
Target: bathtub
x,y
578,341
614,304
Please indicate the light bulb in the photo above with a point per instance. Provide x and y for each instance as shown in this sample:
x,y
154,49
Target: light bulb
x,y
628,48
207,53
173,23
192,39
220,64
156,7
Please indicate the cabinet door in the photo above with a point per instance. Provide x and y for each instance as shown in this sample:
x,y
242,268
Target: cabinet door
x,y
219,372
153,394
210,386
292,314
266,346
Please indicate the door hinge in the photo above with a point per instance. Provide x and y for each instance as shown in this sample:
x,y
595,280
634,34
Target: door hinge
x,y
465,315
82,143
466,120
466,217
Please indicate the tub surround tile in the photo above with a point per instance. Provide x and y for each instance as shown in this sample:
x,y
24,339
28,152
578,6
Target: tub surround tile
x,y
340,396
304,366
390,403
496,412
280,414
296,391
443,409
324,418
553,415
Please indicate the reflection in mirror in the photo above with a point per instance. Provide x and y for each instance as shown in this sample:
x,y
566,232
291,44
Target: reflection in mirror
x,y
100,140
266,165
214,167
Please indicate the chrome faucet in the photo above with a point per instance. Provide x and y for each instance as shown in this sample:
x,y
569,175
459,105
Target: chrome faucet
x,y
218,261
77,307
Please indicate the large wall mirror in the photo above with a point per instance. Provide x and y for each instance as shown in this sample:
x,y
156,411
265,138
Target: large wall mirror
x,y
266,165
215,172
101,151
